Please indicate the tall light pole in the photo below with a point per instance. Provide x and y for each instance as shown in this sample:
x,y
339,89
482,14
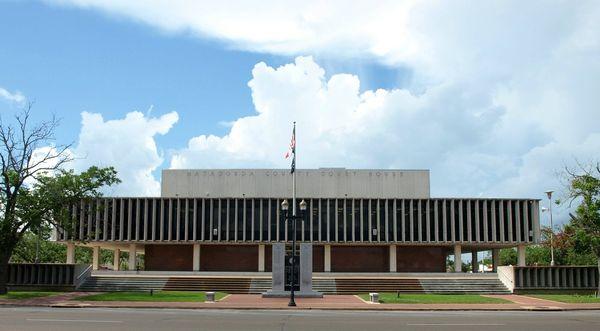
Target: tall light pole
x,y
285,206
549,194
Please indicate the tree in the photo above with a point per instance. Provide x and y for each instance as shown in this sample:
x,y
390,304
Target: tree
x,y
583,187
35,191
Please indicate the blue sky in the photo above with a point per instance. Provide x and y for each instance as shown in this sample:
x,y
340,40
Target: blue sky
x,y
494,99
69,60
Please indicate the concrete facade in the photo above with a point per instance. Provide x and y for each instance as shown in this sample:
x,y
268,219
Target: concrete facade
x,y
277,183
369,220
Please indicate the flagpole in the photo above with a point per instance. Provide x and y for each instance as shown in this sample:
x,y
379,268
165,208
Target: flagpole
x,y
292,302
294,177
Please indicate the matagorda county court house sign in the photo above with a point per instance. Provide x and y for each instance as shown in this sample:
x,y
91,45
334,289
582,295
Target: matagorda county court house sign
x,y
356,221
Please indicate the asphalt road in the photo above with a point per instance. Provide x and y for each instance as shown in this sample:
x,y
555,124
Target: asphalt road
x,y
47,319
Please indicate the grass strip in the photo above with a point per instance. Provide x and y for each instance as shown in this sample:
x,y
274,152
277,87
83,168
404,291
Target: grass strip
x,y
434,298
22,295
156,296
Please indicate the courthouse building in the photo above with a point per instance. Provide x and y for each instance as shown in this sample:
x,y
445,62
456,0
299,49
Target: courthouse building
x,y
367,220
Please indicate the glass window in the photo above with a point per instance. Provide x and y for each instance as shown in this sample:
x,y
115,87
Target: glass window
x,y
340,220
348,226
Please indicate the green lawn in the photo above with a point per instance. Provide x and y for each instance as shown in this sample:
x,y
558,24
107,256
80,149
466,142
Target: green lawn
x,y
434,298
164,296
20,295
569,298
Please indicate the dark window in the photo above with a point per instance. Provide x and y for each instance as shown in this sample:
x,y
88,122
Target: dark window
x,y
231,219
473,212
382,229
240,218
366,232
482,225
323,219
514,219
340,220
197,203
257,220
282,221
264,219
489,220
414,222
331,220
205,218
374,220
148,218
118,219
306,221
399,213
434,223
182,212
348,228
273,213
174,219
356,219
465,219
497,219
423,222
314,204
391,213
530,218
448,221
141,218
248,213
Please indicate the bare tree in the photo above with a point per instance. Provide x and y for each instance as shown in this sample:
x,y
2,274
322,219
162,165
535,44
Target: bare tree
x,y
22,162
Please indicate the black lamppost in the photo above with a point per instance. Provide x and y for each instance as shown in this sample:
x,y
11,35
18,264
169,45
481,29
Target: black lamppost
x,y
285,206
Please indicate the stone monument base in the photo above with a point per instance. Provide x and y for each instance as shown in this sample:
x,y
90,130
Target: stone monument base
x,y
286,294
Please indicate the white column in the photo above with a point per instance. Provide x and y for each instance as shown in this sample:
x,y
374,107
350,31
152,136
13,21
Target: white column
x,y
327,256
393,258
70,253
495,259
196,258
117,259
474,262
521,256
457,258
261,258
95,257
132,257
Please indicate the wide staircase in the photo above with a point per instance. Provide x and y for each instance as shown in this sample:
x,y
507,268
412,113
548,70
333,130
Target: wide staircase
x,y
327,285
365,285
464,286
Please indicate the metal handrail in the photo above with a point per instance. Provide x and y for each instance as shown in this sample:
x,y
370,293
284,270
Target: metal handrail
x,y
84,272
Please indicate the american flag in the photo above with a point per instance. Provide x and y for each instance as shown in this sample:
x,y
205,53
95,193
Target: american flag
x,y
292,150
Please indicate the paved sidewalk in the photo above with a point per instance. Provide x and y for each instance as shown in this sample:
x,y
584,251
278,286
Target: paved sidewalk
x,y
328,302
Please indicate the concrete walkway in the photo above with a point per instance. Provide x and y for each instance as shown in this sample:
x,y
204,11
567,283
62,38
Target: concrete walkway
x,y
328,302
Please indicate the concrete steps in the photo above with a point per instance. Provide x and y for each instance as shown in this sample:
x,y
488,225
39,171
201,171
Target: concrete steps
x,y
256,285
229,285
464,286
124,283
366,285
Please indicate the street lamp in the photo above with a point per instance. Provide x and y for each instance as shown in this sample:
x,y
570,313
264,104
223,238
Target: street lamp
x,y
549,194
285,206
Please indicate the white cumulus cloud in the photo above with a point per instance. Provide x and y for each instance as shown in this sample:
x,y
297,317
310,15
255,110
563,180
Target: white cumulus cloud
x,y
128,144
502,94
16,97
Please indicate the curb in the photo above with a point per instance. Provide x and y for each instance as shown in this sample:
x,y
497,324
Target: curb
x,y
372,308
